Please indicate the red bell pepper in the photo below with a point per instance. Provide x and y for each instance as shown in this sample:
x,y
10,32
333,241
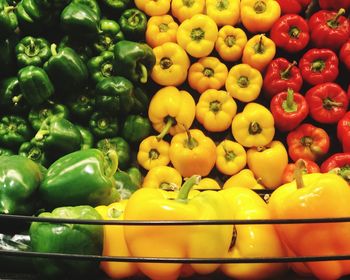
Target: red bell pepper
x,y
334,4
328,102
293,6
307,142
344,54
290,33
338,163
329,29
289,109
288,173
319,66
281,75
343,132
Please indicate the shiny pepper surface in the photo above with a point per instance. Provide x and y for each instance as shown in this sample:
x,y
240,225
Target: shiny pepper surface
x,y
153,7
223,12
160,30
185,9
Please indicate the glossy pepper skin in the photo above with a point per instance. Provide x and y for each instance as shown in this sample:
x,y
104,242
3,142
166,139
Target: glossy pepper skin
x,y
319,66
34,151
69,239
244,179
290,33
81,177
87,137
103,125
163,177
101,66
328,102
136,128
14,130
344,54
134,60
183,10
231,157
20,179
160,30
343,132
153,8
109,34
338,163
175,241
128,181
92,4
223,12
133,24
8,19
289,109
288,173
84,51
82,105
116,6
293,6
281,75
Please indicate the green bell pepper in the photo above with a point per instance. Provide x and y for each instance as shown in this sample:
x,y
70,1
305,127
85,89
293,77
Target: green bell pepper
x,y
8,19
6,152
109,34
101,66
103,125
142,100
37,115
136,128
87,138
128,181
66,70
8,56
133,24
20,180
35,85
32,51
84,177
83,50
115,95
67,238
34,151
92,4
83,105
117,6
134,60
120,146
14,130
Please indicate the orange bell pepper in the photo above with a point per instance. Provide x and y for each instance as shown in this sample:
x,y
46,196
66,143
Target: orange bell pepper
x,y
160,30
185,9
231,157
153,7
153,152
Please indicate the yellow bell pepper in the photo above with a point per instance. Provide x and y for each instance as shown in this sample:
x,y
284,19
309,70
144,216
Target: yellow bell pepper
x,y
177,241
114,243
185,9
192,152
197,35
254,126
207,73
153,7
163,177
223,12
244,83
171,111
230,43
244,179
259,15
259,52
153,152
268,163
160,30
251,241
215,110
231,157
172,63
207,184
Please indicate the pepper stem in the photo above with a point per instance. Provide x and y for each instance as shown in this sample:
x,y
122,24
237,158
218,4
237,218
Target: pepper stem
x,y
17,99
169,186
187,186
41,134
9,9
259,48
285,74
191,143
328,103
113,162
170,121
289,105
144,74
333,23
298,173
53,49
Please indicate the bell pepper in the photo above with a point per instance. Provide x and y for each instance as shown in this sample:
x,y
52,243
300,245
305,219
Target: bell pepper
x,y
308,142
103,126
244,82
109,34
230,43
116,6
268,163
127,182
163,177
67,238
344,54
6,152
81,177
314,196
231,157
254,126
338,163
197,35
120,146
290,33
87,139
142,99
35,85
293,6
153,152
319,66
20,179
192,152
84,51
223,12
215,110
115,270
207,73
251,240
172,63
101,66
259,15
171,111
183,10
177,241
153,8
281,75
133,23
243,179
259,52
92,4
329,29
343,132
82,105
206,184
160,30
289,109
134,60
35,152
114,95
309,167
8,19
14,130
136,128
334,5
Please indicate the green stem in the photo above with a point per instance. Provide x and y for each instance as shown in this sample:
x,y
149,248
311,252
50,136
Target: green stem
x,y
163,27
187,186
260,7
230,41
9,9
289,105
259,48
333,23
285,74
328,103
169,122
112,162
243,81
318,65
41,134
191,143
144,74
53,49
